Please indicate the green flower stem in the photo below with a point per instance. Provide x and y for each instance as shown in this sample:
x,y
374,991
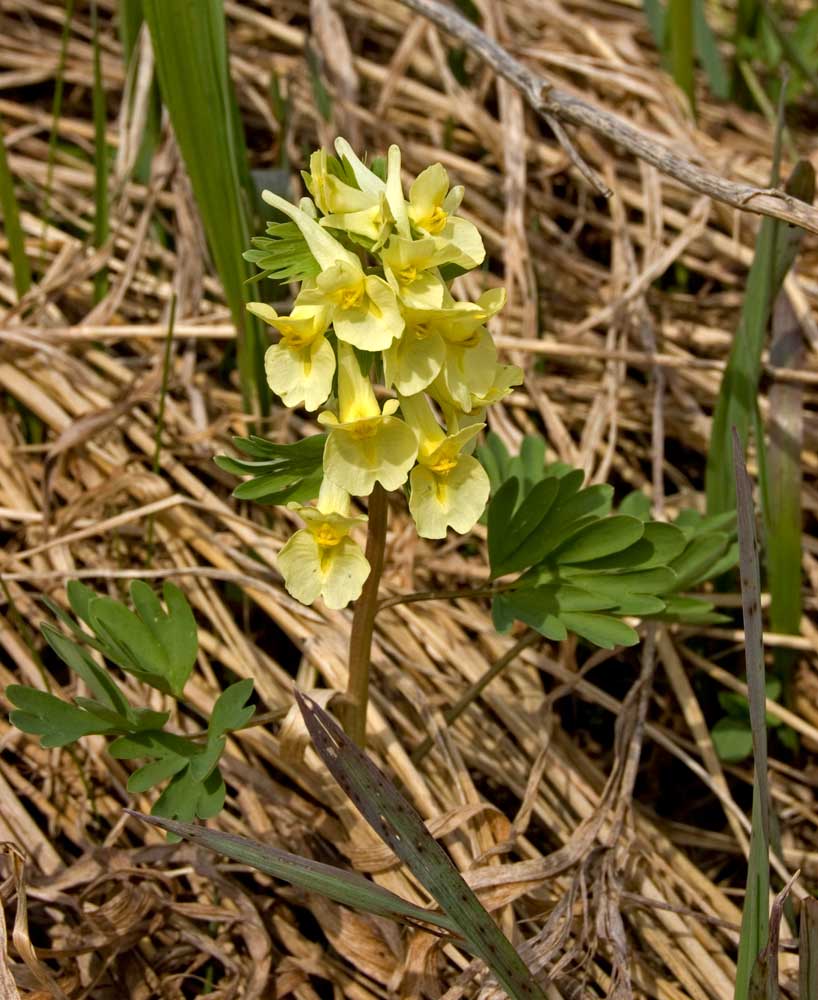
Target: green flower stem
x,y
444,595
529,638
363,621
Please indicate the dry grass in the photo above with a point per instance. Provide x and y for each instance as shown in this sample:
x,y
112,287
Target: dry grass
x,y
621,870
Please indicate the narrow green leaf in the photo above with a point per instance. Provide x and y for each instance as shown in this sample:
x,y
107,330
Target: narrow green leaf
x,y
679,27
754,918
808,949
341,886
402,829
776,249
190,46
781,500
11,224
101,227
707,49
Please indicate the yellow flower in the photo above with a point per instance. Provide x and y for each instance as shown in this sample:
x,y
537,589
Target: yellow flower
x,y
321,560
411,269
367,209
363,307
301,365
505,378
471,357
365,445
431,209
415,360
449,487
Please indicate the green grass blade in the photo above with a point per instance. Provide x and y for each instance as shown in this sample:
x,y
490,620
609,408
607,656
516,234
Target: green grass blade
x,y
346,887
808,950
101,226
782,496
402,829
776,249
707,50
190,46
755,916
681,48
11,224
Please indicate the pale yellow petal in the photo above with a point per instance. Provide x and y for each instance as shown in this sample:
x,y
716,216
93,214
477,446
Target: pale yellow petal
x,y
367,180
467,240
299,562
356,457
413,363
302,375
455,500
394,191
427,193
345,572
375,323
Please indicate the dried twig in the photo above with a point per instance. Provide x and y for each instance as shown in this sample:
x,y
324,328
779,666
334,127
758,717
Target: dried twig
x,y
555,104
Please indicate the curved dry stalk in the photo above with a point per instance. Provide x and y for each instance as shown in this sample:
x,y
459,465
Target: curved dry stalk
x,y
552,103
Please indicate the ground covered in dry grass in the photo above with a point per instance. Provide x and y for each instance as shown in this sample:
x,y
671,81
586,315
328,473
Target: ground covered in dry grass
x,y
580,793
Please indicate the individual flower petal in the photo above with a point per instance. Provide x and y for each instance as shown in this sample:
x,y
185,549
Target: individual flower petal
x,y
431,210
301,375
394,192
468,370
326,250
345,574
463,236
365,445
454,497
299,562
426,197
411,269
368,181
414,361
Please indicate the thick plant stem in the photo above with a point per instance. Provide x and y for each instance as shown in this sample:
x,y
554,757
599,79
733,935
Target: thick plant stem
x,y
363,621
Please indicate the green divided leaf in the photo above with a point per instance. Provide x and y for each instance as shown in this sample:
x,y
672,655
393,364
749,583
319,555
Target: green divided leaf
x,y
282,255
279,473
158,647
54,720
601,538
583,569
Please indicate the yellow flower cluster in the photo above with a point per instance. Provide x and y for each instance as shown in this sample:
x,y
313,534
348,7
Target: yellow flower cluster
x,y
379,291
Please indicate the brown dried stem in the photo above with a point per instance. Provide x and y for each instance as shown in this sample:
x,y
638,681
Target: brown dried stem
x,y
552,103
